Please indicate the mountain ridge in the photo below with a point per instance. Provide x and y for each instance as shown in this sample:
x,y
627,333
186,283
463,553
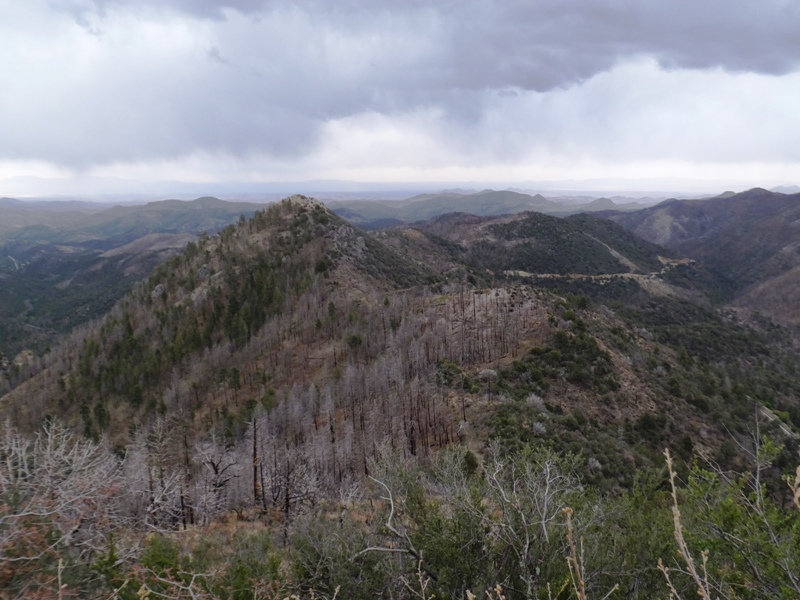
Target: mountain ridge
x,y
327,332
377,214
749,238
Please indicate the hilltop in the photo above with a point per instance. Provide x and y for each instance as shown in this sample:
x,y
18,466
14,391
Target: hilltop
x,y
520,327
537,243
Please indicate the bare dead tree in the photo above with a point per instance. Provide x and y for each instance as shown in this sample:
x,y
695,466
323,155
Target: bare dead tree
x,y
58,500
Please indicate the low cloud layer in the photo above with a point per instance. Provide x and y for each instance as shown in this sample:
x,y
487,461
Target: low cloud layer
x,y
92,83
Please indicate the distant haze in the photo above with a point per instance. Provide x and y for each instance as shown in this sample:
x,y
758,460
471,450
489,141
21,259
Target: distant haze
x,y
121,94
122,191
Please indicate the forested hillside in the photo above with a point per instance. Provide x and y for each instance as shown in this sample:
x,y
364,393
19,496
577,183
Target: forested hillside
x,y
750,239
377,214
296,406
64,263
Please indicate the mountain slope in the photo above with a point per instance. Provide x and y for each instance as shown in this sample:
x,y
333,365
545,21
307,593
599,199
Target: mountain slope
x,y
63,265
46,290
236,401
571,254
120,224
220,292
299,329
752,239
377,214
374,214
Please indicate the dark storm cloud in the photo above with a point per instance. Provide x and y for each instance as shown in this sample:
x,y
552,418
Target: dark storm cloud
x,y
257,76
541,43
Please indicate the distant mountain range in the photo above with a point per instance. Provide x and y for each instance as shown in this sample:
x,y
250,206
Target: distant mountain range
x,y
786,189
104,225
375,214
118,189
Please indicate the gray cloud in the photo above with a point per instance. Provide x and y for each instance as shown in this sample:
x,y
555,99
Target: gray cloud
x,y
263,76
542,43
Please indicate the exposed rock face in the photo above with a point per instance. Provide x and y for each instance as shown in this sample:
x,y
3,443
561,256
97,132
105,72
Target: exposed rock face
x,y
305,201
25,357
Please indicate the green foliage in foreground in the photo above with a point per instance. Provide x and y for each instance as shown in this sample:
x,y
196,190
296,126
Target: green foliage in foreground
x,y
523,520
449,529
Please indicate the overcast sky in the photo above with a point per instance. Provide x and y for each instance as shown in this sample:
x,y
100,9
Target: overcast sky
x,y
379,90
